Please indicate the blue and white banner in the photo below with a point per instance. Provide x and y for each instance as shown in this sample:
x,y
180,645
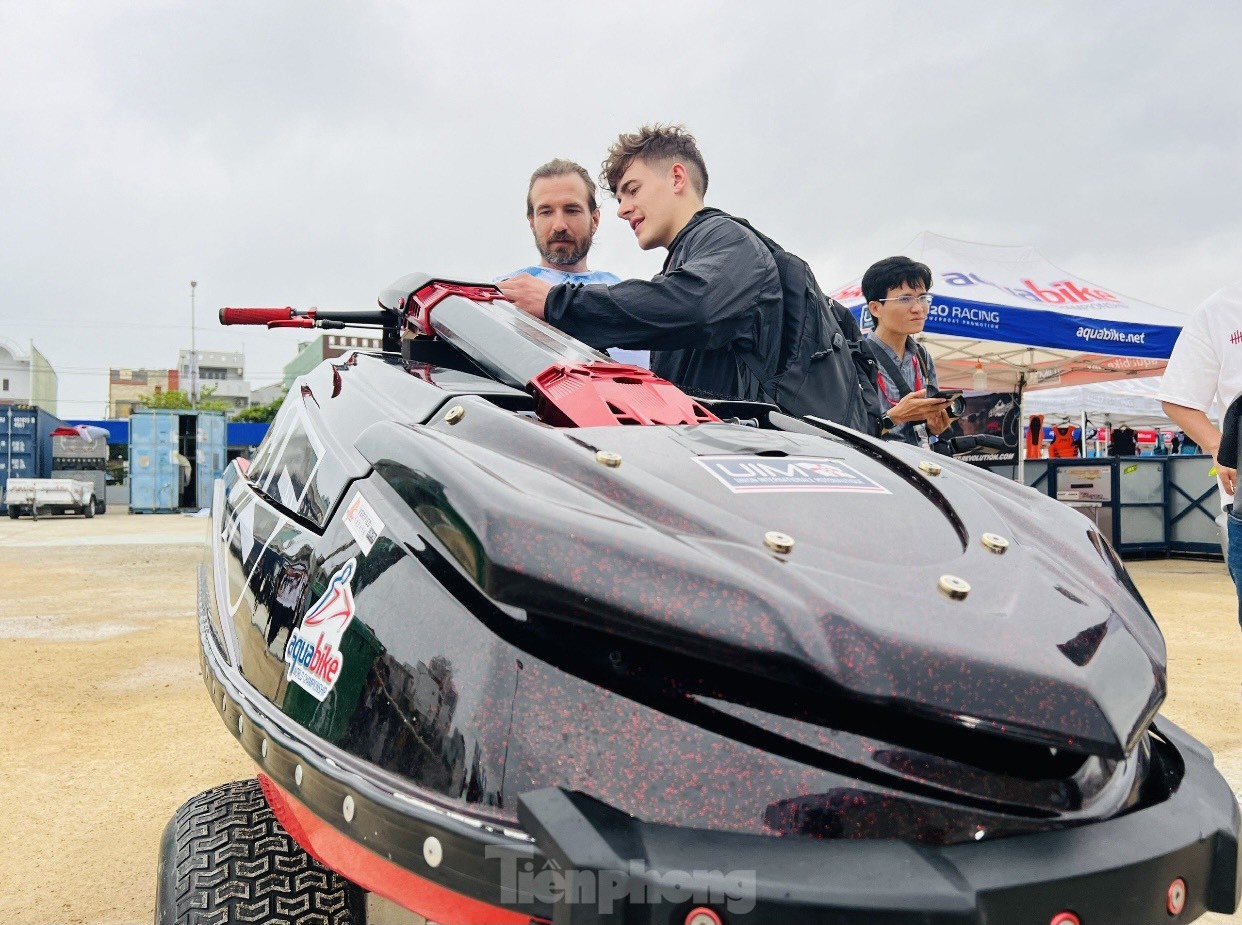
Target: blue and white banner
x,y
1004,315
1040,328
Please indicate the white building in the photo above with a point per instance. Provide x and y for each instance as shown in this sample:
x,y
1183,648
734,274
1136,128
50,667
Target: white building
x,y
223,373
26,379
266,394
129,389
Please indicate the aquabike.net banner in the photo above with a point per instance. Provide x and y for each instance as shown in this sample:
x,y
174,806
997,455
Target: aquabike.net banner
x,y
1036,327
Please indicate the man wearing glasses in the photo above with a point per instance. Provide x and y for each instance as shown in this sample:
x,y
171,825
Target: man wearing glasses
x,y
897,298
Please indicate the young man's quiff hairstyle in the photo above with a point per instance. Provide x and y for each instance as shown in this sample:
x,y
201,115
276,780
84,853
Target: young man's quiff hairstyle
x,y
559,167
892,273
654,144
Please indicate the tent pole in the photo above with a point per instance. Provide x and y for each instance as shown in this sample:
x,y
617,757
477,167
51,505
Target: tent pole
x,y
1021,448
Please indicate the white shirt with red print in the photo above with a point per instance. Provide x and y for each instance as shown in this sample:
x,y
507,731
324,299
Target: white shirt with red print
x,y
1206,363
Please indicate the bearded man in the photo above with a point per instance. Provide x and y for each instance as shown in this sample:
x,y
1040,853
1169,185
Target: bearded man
x,y
563,217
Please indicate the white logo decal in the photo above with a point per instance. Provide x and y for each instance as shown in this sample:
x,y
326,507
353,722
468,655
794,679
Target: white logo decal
x,y
313,655
362,522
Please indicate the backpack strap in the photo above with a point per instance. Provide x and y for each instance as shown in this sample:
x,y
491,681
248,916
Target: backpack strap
x,y
748,357
763,238
751,362
893,373
925,364
890,369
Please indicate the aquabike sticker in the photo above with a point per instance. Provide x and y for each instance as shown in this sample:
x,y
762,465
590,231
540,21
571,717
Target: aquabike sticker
x,y
741,474
313,654
363,523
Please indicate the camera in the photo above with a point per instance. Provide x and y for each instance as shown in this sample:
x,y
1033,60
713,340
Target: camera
x,y
957,404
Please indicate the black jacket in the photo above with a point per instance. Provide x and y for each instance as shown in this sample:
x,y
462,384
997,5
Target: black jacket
x,y
719,294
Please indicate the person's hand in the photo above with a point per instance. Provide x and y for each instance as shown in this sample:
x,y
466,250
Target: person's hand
x,y
938,422
1228,478
526,292
916,406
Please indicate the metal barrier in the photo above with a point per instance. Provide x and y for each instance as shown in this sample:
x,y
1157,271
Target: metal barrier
x,y
1142,504
1193,505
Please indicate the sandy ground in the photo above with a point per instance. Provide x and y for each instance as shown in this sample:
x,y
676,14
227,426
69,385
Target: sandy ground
x,y
107,727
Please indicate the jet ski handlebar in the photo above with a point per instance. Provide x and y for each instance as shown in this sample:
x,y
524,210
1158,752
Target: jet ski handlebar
x,y
289,317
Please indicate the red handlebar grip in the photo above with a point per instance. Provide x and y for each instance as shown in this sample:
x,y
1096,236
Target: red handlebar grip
x,y
254,315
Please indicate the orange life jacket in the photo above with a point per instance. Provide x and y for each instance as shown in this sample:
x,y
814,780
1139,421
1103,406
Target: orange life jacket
x,y
1063,444
1034,436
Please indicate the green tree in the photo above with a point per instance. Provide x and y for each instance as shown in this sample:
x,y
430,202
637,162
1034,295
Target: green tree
x,y
178,400
260,414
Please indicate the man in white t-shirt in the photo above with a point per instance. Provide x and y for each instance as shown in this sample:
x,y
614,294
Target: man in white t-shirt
x,y
1207,364
564,216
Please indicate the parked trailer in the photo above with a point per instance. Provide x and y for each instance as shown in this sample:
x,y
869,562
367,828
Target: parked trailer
x,y
97,477
47,496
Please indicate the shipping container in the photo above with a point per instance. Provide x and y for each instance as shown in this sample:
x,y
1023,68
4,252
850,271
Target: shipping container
x,y
25,444
175,458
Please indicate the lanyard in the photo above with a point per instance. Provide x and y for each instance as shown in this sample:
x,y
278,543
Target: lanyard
x,y
893,373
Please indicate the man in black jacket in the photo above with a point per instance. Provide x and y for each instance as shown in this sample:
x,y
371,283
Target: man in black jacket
x,y
717,299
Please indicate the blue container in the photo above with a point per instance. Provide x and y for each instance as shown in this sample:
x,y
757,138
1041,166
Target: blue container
x,y
25,444
175,458
212,453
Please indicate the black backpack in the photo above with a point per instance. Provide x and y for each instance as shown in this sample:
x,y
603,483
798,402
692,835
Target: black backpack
x,y
823,368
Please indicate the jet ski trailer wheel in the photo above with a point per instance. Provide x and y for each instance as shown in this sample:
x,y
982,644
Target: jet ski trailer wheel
x,y
225,858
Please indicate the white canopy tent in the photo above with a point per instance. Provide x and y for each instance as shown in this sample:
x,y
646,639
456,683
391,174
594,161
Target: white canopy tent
x,y
1119,402
1005,319
1130,401
1025,323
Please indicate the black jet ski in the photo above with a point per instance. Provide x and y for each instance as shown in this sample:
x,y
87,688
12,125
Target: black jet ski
x,y
516,634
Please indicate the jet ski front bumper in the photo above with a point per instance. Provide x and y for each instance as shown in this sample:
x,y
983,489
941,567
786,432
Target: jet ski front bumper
x,y
1180,855
577,860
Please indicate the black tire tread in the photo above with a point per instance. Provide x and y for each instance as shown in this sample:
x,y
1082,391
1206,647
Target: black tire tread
x,y
235,863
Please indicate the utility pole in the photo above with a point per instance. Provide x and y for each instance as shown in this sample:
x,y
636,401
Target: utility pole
x,y
193,351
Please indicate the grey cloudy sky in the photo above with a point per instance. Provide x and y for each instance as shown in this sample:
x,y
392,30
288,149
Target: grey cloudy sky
x,y
300,153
